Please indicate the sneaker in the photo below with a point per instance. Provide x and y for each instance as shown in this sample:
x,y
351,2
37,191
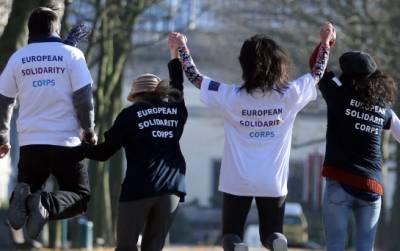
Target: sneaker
x,y
279,244
17,211
38,216
241,247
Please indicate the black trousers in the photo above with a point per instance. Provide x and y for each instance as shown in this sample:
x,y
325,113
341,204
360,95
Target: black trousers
x,y
270,215
38,162
151,216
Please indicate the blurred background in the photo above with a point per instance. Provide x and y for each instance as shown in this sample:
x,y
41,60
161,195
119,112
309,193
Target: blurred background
x,y
129,38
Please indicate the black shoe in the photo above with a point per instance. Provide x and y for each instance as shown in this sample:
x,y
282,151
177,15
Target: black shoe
x,y
229,242
17,212
38,215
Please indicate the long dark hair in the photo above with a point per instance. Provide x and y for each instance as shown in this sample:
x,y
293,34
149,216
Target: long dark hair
x,y
162,92
375,89
265,65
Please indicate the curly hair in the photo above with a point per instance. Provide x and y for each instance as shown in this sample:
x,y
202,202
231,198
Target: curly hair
x,y
375,89
265,65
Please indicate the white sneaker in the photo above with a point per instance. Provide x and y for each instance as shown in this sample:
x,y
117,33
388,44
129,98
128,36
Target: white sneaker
x,y
279,244
241,247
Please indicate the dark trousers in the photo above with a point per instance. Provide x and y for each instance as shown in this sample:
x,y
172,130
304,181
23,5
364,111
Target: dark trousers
x,y
154,215
38,162
236,208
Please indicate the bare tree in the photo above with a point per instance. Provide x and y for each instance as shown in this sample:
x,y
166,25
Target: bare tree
x,y
14,34
109,46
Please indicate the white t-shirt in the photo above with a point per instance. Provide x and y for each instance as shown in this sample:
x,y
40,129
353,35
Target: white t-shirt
x,y
43,76
395,126
258,134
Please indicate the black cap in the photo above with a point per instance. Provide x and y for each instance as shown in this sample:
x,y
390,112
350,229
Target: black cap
x,y
357,63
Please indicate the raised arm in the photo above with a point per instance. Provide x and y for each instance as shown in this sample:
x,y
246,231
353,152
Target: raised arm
x,y
175,67
189,67
77,34
319,59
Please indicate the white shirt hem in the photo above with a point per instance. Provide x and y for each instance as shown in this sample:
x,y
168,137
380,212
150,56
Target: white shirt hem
x,y
68,139
249,193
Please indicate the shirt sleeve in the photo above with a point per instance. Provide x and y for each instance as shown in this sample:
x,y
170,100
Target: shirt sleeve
x,y
175,74
84,107
214,94
115,135
8,84
395,126
113,141
302,91
389,114
79,71
328,85
6,108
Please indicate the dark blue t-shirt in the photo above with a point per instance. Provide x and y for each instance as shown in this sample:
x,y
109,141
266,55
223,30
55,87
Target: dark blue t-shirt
x,y
149,131
354,133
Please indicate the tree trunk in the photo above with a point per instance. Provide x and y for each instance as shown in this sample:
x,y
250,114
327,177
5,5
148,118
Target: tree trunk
x,y
116,173
115,25
15,32
14,35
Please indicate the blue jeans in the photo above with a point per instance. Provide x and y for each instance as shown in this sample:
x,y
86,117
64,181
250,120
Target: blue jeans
x,y
338,205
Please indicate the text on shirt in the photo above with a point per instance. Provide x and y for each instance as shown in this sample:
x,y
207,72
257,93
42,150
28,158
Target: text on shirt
x,y
366,116
158,122
261,123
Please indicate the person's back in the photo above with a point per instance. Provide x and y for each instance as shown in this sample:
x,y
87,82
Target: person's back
x,y
258,121
52,84
155,164
358,111
149,130
258,132
358,103
46,74
354,131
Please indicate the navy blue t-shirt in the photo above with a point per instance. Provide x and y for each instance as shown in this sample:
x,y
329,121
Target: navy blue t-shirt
x,y
354,133
149,131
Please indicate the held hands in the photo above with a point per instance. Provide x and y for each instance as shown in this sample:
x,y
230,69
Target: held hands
x,y
173,48
176,40
89,137
4,149
328,34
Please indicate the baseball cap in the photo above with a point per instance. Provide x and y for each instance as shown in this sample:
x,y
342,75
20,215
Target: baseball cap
x,y
144,83
357,63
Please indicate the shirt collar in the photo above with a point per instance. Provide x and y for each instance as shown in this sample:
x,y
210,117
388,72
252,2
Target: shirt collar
x,y
43,39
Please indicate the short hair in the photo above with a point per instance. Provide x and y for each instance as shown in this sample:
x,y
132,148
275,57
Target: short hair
x,y
43,21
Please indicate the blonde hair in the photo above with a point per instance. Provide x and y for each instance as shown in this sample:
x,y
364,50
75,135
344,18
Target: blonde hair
x,y
149,85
